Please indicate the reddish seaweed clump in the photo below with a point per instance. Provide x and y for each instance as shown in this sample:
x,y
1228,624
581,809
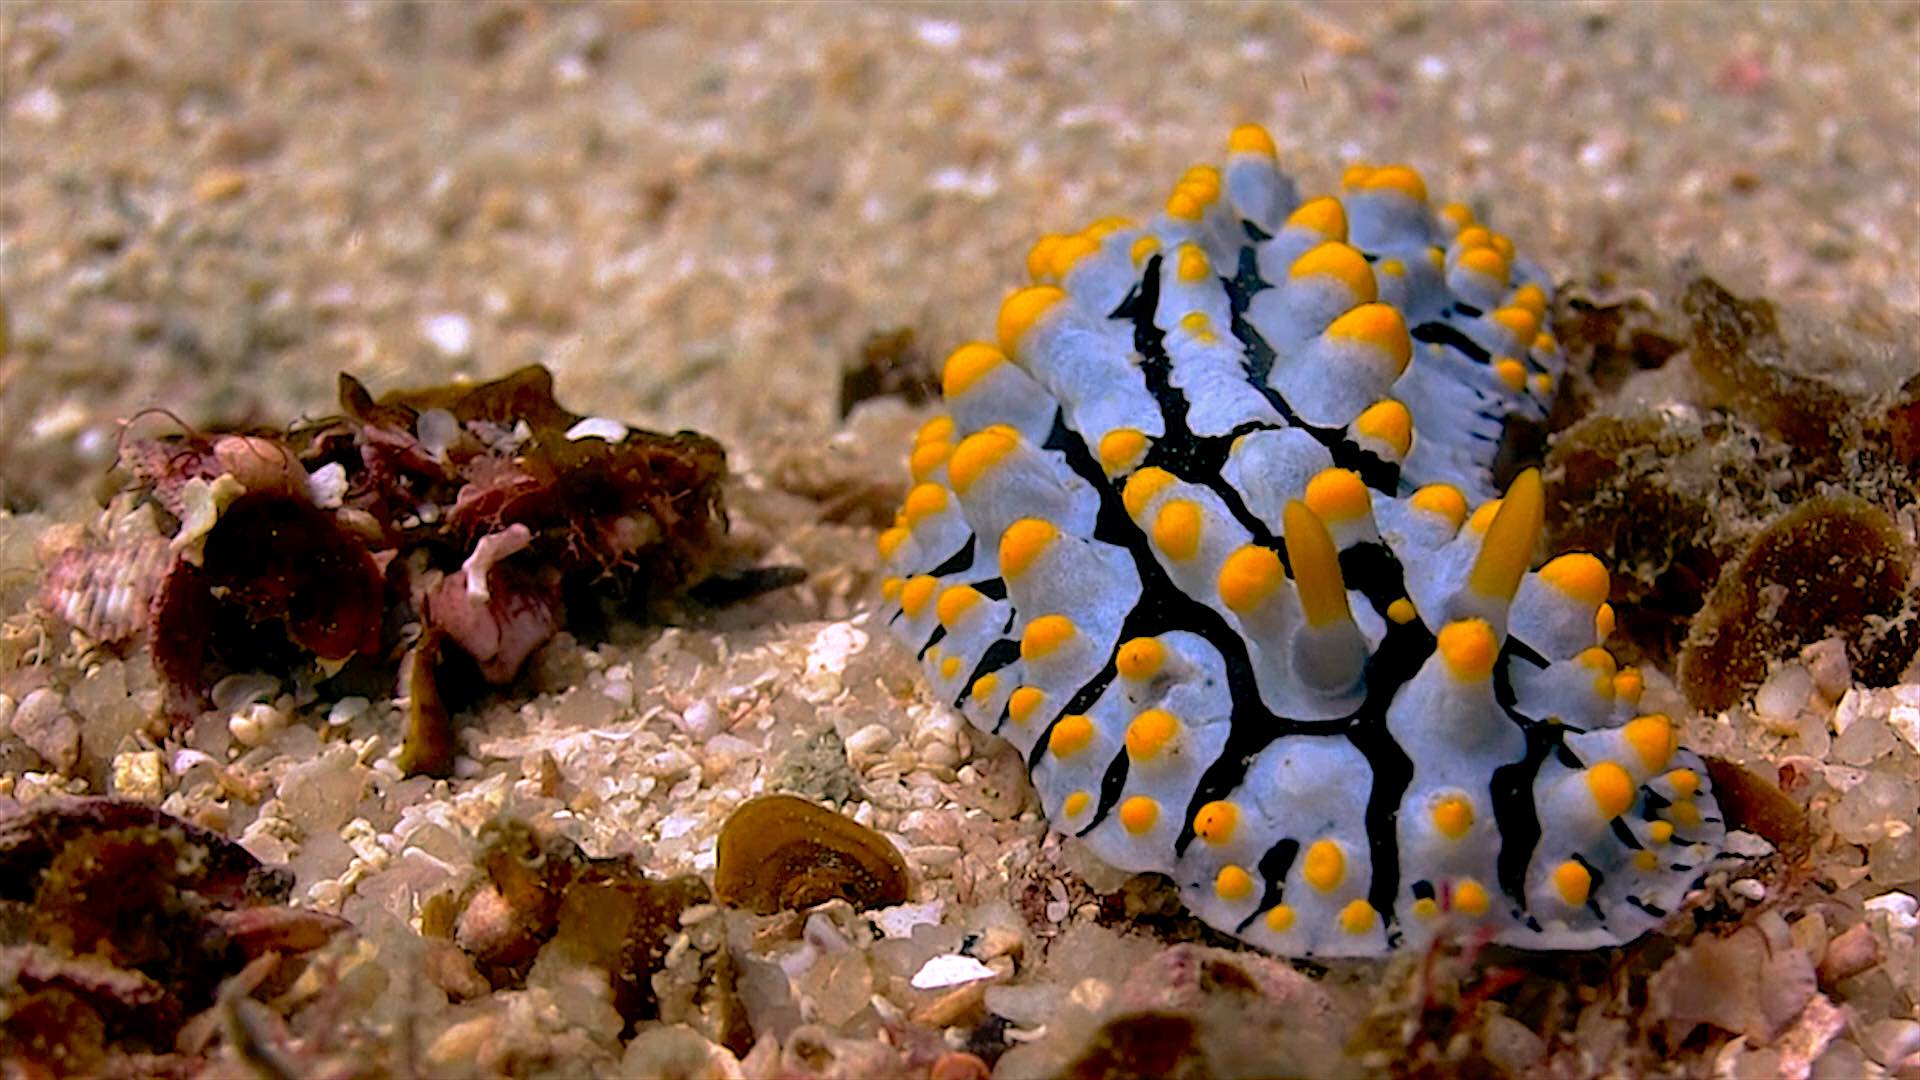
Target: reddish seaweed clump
x,y
454,528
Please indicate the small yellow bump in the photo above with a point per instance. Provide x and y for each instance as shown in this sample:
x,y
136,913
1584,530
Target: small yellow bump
x,y
1357,917
1388,421
890,587
1323,215
1076,804
1338,495
1196,322
950,668
1068,253
1045,635
1279,918
1138,814
1511,372
1572,882
1578,575
1612,789
1425,908
966,366
1485,260
1325,866
1437,258
1192,264
1022,543
1022,310
1685,813
1402,611
1628,685
1248,577
1040,256
1391,267
1500,243
1603,621
1143,248
1216,822
1316,566
1469,648
984,687
1023,703
1442,499
1070,736
1531,297
1646,861
1473,236
979,452
923,502
1515,531
1204,179
1543,343
917,594
1520,322
1122,448
1107,226
1483,516
1251,139
1601,663
927,457
938,429
1470,897
1342,263
1141,658
1542,384
1233,883
1660,832
1458,215
1176,529
1398,178
1684,782
1185,205
1142,486
954,602
889,541
1355,175
1150,732
1453,815
1651,737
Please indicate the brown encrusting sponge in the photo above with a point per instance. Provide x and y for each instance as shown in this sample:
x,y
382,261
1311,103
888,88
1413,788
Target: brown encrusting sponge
x,y
1835,564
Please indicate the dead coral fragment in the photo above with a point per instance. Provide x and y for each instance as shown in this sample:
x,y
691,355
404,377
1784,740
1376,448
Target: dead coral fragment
x,y
782,853
1834,564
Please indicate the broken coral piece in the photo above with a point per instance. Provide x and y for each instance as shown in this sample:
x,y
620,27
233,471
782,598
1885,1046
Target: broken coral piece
x,y
783,853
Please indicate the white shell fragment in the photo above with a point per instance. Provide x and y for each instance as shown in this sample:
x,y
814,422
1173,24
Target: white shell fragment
x,y
950,969
1209,533
597,427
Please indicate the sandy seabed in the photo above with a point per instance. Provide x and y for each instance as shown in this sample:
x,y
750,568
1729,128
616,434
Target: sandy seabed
x,y
696,215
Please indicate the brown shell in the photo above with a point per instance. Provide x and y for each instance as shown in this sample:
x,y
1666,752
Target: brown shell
x,y
782,853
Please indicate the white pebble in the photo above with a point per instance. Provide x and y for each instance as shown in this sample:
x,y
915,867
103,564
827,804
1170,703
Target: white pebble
x,y
597,427
347,710
449,332
950,969
255,724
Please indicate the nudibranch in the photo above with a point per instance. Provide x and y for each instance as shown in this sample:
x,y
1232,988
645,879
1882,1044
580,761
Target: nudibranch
x,y
1209,533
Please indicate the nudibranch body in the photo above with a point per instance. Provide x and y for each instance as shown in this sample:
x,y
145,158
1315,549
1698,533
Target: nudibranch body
x,y
1210,535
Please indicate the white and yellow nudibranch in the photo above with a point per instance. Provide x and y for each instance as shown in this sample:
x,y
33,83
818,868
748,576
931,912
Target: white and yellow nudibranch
x,y
1208,532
